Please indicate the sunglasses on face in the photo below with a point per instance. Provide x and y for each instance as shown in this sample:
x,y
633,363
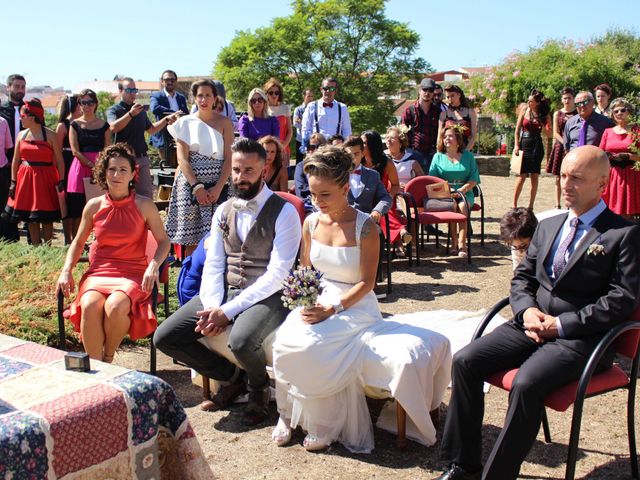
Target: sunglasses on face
x,y
253,101
131,90
169,80
273,93
583,103
620,110
87,102
430,90
328,89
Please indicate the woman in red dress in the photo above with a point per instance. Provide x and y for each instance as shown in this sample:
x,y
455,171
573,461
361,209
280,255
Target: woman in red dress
x,y
560,118
622,194
114,295
36,172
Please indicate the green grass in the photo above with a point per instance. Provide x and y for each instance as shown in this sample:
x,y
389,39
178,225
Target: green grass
x,y
28,306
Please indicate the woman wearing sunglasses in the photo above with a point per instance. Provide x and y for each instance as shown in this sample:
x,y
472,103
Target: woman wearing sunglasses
x,y
277,108
622,194
88,135
257,122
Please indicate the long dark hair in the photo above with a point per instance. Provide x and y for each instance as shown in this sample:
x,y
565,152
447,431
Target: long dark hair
x,y
376,150
544,107
68,105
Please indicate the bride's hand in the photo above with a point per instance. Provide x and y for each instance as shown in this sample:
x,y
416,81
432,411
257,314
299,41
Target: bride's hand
x,y
316,314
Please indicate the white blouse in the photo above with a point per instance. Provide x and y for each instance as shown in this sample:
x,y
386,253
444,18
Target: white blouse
x,y
200,137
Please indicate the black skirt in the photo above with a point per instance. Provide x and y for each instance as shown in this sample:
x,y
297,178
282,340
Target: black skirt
x,y
532,153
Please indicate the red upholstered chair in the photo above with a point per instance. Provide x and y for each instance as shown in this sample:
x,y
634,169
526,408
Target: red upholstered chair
x,y
295,201
625,338
414,193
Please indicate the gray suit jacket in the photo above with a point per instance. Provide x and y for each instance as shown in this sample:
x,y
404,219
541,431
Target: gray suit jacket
x,y
594,292
374,197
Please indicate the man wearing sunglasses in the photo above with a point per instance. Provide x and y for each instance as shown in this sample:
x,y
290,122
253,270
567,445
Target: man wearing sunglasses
x,y
326,116
163,103
129,122
422,119
587,127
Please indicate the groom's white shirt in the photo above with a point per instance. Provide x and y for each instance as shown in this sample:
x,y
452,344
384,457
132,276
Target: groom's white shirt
x,y
285,247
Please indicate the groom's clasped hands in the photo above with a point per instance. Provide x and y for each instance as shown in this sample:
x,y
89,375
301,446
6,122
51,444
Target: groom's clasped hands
x,y
212,322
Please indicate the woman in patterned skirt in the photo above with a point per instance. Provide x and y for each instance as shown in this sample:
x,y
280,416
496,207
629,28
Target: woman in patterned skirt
x,y
203,141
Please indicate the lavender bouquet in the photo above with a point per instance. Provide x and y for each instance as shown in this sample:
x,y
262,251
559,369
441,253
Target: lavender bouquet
x,y
301,288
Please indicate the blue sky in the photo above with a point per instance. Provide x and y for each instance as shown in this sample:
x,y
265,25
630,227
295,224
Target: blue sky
x,y
64,43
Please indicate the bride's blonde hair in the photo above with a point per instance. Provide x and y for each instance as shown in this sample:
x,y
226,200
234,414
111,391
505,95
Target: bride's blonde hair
x,y
332,163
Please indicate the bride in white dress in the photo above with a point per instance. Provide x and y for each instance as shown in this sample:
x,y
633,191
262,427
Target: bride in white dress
x,y
318,353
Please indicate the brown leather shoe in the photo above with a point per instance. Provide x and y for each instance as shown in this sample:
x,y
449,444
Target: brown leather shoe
x,y
225,396
257,410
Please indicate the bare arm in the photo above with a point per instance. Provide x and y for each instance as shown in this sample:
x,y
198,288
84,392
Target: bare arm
x,y
15,164
516,135
557,134
417,169
57,152
283,180
228,135
305,260
108,137
392,174
75,149
154,222
61,133
287,138
65,280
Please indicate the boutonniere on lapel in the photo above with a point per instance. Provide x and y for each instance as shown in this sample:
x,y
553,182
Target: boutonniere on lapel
x,y
596,249
223,226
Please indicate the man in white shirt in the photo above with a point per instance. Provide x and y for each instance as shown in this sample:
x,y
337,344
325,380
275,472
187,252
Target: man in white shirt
x,y
254,240
326,116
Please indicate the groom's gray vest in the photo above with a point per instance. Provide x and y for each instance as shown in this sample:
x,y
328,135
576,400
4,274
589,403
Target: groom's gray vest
x,y
246,262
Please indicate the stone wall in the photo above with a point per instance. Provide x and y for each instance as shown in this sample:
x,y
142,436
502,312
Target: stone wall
x,y
498,166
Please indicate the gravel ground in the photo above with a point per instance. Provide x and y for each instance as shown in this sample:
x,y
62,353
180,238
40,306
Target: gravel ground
x,y
236,452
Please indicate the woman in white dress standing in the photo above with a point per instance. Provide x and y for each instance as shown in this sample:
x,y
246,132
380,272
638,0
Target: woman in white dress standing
x,y
318,352
203,141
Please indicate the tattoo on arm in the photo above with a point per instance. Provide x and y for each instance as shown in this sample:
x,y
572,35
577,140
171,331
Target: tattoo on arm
x,y
366,228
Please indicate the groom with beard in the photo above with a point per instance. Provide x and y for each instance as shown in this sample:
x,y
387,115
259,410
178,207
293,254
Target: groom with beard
x,y
255,236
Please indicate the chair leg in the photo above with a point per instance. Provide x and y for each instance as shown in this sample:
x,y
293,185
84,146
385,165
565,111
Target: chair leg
x,y
62,342
545,426
574,438
631,430
153,360
166,299
401,418
482,224
469,241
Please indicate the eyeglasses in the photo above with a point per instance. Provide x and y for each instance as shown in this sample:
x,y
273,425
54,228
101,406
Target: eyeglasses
x,y
328,89
312,147
583,103
620,110
519,248
131,90
169,79
430,90
273,93
253,101
87,102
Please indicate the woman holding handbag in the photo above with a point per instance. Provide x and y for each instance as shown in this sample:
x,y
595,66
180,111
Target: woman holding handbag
x,y
458,167
528,139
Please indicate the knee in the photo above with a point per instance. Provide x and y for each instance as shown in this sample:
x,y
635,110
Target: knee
x,y
240,344
92,303
117,306
525,385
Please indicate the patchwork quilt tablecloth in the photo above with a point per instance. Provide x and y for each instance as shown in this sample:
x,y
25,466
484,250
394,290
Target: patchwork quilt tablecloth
x,y
109,423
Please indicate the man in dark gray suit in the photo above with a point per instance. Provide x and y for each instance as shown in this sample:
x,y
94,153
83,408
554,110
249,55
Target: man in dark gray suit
x,y
580,277
366,192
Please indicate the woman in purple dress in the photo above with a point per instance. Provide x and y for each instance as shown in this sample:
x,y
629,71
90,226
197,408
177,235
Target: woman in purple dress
x,y
257,122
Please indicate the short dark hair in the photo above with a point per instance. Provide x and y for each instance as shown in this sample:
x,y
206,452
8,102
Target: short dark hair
x,y
122,80
116,150
335,137
605,88
87,92
353,141
14,76
171,72
517,223
568,91
204,82
331,80
247,146
438,87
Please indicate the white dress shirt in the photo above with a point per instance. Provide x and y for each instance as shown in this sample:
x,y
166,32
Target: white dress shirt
x,y
16,121
355,184
327,120
285,248
173,101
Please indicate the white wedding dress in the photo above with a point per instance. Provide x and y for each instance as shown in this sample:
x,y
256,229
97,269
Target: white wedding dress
x,y
317,367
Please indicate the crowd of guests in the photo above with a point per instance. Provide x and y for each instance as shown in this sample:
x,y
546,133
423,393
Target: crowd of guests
x,y
242,238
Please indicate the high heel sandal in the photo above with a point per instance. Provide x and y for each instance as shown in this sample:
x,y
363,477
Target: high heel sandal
x,y
281,434
312,443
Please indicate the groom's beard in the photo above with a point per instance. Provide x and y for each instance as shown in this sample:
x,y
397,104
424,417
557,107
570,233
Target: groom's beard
x,y
249,190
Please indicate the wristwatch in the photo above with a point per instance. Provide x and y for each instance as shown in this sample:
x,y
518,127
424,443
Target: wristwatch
x,y
338,307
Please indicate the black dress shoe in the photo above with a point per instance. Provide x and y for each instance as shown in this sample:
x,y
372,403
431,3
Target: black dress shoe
x,y
257,409
455,472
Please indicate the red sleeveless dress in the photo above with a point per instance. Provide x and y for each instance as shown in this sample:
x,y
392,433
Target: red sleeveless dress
x,y
36,198
118,260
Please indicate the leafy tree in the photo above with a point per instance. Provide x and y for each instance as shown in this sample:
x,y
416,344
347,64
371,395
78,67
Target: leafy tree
x,y
105,100
549,67
351,40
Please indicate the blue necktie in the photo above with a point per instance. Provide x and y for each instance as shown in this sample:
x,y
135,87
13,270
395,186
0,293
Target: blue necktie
x,y
582,138
559,261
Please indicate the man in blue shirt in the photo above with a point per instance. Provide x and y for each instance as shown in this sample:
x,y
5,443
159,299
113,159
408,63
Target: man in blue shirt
x,y
587,127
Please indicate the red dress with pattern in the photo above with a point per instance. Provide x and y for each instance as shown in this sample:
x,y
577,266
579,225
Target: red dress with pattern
x,y
36,198
557,152
622,194
118,260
